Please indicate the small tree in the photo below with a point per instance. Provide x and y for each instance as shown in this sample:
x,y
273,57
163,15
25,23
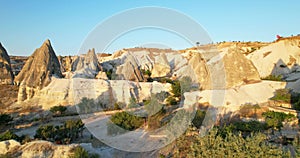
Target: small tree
x,y
58,109
79,152
5,118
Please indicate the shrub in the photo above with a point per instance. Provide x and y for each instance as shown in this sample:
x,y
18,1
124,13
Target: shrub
x,y
109,74
90,106
133,103
274,119
283,95
154,121
58,109
125,121
295,100
232,145
146,72
273,78
251,126
198,118
249,110
9,135
164,80
79,152
5,118
171,101
176,88
64,133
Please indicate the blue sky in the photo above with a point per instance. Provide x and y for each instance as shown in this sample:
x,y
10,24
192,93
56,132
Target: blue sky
x,y
26,24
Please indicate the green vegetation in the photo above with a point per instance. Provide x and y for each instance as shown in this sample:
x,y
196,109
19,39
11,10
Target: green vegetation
x,y
58,109
274,119
283,95
249,110
198,118
155,121
4,119
176,88
232,145
164,80
183,85
171,100
146,72
64,134
251,126
90,106
122,121
273,78
9,135
295,100
80,152
133,103
109,74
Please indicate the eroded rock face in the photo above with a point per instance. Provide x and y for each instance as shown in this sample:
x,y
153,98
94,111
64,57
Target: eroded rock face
x,y
130,70
198,64
238,69
161,67
66,63
36,149
38,70
6,74
86,66
278,58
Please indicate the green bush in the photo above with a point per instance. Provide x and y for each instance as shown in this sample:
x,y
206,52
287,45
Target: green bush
x,y
274,119
164,80
176,88
146,72
273,78
295,100
251,126
87,105
64,133
79,152
154,121
109,74
171,101
232,145
58,109
5,118
198,118
283,95
125,121
9,135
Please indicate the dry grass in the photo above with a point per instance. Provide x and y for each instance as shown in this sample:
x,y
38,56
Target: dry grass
x,y
8,96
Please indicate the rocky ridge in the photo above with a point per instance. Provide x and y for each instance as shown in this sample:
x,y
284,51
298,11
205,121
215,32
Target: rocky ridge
x,y
37,72
6,73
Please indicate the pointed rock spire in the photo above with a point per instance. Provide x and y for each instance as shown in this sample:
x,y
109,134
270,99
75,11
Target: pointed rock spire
x,y
39,68
6,74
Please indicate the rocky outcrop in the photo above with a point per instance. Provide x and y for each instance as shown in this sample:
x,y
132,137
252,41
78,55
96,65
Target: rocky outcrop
x,y
86,66
238,69
101,75
6,74
161,67
130,70
231,68
278,58
36,149
65,63
198,64
37,72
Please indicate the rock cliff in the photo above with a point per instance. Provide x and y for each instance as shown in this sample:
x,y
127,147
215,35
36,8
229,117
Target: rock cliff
x,y
6,74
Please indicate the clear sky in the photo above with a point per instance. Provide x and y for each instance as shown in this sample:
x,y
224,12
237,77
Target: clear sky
x,y
26,24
